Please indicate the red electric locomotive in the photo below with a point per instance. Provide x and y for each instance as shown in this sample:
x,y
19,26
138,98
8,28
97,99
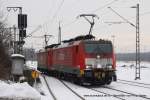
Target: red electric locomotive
x,y
82,61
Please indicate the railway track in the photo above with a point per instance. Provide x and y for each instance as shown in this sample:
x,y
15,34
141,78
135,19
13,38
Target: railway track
x,y
143,85
77,94
103,93
134,82
128,93
111,92
125,96
66,86
107,94
49,89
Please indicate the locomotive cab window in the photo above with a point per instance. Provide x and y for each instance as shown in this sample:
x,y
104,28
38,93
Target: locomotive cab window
x,y
98,48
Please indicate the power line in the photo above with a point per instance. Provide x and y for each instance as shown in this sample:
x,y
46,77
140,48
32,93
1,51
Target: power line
x,y
70,23
120,22
50,10
102,7
122,17
35,30
141,14
40,26
55,15
138,67
37,37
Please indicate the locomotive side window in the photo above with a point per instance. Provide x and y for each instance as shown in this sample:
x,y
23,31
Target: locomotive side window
x,y
98,48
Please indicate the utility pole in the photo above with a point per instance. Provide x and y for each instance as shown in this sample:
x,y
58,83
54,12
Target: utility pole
x,y
92,22
59,34
138,60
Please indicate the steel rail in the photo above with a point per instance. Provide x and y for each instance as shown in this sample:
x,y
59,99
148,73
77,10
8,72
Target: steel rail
x,y
127,93
54,97
72,90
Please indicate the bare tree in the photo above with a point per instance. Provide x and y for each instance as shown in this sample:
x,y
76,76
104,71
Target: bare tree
x,y
5,41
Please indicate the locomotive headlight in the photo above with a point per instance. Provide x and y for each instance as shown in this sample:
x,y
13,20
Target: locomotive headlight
x,y
109,66
98,56
99,66
87,66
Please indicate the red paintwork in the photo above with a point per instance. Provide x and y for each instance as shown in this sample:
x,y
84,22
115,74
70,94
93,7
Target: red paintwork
x,y
72,56
42,59
49,58
114,61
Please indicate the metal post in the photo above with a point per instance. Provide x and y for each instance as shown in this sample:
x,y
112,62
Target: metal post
x,y
59,34
15,45
138,69
45,36
137,73
20,38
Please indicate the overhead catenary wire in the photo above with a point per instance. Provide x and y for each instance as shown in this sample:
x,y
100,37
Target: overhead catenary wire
x,y
50,9
54,16
104,6
141,14
122,17
36,29
121,22
37,36
72,22
100,8
69,23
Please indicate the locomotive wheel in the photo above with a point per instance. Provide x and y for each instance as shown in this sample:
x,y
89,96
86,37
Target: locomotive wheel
x,y
78,81
81,81
108,81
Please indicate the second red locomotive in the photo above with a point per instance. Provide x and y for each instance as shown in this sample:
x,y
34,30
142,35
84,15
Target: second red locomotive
x,y
81,61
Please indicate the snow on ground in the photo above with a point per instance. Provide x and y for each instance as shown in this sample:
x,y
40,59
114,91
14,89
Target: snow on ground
x,y
126,71
60,91
63,93
89,94
42,88
18,91
139,91
32,64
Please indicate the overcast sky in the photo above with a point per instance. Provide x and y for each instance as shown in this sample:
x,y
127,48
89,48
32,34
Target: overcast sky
x,y
48,13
